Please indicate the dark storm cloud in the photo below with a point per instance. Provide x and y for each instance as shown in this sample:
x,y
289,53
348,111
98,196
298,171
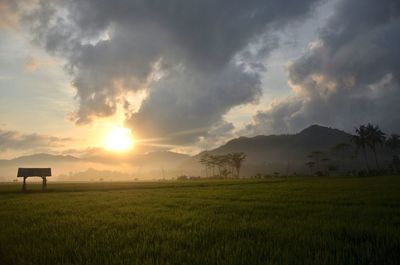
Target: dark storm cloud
x,y
13,140
187,101
198,59
349,77
217,135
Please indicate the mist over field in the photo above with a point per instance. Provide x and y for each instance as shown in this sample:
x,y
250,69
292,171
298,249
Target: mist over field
x,y
274,155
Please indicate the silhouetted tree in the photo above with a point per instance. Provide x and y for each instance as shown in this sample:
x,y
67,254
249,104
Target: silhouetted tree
x,y
360,139
374,137
325,161
393,142
237,161
205,160
316,156
310,165
219,161
225,164
342,150
213,162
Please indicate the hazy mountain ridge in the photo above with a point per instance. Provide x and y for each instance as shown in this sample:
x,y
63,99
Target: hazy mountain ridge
x,y
288,153
39,158
66,165
312,137
280,147
265,154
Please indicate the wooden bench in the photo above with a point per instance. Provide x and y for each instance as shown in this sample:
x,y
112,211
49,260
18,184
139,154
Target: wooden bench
x,y
34,172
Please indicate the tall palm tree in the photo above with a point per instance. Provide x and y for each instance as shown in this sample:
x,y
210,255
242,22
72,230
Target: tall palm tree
x,y
375,137
360,139
393,142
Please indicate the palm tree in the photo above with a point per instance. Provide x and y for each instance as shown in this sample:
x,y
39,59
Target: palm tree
x,y
393,142
374,137
360,139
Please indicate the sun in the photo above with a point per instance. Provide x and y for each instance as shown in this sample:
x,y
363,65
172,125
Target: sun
x,y
119,139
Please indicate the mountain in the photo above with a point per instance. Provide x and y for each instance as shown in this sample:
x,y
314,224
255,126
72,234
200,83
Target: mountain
x,y
287,153
37,160
286,147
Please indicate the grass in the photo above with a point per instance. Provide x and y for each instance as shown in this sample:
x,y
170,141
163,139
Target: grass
x,y
295,221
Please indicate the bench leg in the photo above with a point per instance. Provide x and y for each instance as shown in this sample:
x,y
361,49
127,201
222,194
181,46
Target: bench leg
x,y
44,184
24,185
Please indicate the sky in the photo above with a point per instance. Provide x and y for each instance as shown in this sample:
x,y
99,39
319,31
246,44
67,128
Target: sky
x,y
189,75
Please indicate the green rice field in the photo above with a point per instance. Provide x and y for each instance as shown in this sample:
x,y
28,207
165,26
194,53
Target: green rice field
x,y
310,220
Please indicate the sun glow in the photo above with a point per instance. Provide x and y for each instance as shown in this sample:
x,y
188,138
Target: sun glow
x,y
119,139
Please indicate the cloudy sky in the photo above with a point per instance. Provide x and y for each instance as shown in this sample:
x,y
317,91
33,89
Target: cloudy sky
x,y
187,75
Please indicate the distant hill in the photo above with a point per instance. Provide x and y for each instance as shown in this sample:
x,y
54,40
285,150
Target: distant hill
x,y
142,165
287,153
59,163
39,159
285,147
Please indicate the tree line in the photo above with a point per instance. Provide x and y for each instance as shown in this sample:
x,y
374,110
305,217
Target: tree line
x,y
225,166
370,137
366,138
